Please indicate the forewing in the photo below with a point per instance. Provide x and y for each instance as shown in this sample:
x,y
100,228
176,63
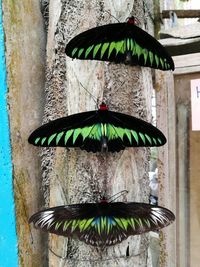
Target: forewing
x,y
69,131
70,220
147,50
136,218
120,42
89,223
131,132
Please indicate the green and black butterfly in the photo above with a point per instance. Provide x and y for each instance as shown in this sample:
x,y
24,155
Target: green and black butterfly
x,y
102,224
120,43
98,130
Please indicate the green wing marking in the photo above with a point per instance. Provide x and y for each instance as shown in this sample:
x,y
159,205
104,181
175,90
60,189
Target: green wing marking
x,y
86,131
37,140
142,137
104,48
151,56
43,140
148,138
112,46
76,133
67,135
135,135
58,137
120,47
100,225
88,50
74,51
58,224
50,139
80,52
157,60
96,49
154,140
66,225
138,50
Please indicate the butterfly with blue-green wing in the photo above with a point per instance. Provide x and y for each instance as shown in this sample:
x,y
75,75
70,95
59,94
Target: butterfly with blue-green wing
x,y
98,130
120,43
102,224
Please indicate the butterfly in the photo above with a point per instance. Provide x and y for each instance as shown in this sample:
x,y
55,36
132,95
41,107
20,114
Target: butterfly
x,y
102,224
120,43
98,130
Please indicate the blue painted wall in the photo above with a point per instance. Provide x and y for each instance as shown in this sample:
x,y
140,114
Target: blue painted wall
x,y
8,238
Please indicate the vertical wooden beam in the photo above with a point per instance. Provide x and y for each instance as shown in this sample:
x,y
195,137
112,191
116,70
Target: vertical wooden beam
x,y
25,61
156,18
183,200
167,162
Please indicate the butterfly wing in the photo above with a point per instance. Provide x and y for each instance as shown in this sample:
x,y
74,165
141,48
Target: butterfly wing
x,y
120,43
68,131
69,220
77,221
142,217
102,224
123,130
94,129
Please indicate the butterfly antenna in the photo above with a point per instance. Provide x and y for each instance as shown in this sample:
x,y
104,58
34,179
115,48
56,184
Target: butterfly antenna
x,y
112,16
94,98
148,11
116,196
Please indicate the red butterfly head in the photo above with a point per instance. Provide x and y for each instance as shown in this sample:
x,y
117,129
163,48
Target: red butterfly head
x,y
133,20
103,200
103,106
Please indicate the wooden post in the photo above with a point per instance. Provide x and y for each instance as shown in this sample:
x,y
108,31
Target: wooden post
x,y
157,18
166,121
25,50
182,14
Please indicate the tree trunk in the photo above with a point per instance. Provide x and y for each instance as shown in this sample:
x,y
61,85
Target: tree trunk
x,y
69,173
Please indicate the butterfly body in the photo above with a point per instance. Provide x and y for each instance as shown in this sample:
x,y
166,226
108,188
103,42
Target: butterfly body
x,y
98,130
120,43
102,224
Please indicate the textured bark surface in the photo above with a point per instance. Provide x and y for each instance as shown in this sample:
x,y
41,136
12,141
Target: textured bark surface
x,y
68,173
25,50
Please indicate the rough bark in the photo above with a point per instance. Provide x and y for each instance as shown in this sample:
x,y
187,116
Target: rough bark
x,y
68,173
